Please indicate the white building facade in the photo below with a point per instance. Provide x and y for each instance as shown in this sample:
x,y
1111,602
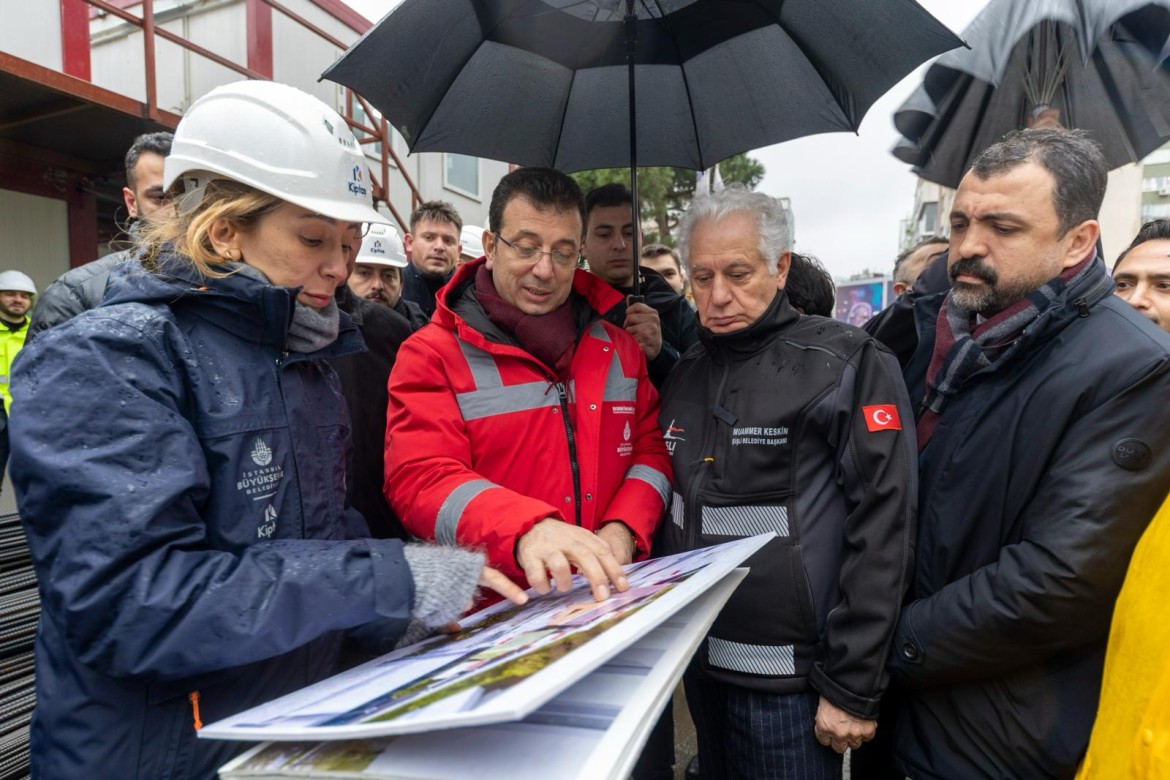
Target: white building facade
x,y
81,78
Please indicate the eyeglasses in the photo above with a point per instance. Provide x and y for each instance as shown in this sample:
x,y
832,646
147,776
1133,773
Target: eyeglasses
x,y
534,253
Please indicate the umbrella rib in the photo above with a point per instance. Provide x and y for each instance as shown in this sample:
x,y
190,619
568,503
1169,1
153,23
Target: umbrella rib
x,y
663,20
561,125
1112,88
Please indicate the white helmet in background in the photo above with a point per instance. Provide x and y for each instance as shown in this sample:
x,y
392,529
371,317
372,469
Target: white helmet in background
x,y
382,246
277,139
17,281
471,241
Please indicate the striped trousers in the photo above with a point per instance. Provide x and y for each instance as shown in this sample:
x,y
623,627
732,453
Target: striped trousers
x,y
754,735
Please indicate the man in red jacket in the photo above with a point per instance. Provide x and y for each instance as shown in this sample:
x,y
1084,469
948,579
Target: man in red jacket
x,y
521,422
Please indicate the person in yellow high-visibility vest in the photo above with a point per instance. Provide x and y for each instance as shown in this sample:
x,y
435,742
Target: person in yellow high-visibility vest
x,y
1131,736
17,292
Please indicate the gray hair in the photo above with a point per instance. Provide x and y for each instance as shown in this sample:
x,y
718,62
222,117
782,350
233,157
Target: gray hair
x,y
771,221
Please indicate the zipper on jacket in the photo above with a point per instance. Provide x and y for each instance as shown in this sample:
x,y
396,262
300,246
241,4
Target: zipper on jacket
x,y
703,467
563,395
193,697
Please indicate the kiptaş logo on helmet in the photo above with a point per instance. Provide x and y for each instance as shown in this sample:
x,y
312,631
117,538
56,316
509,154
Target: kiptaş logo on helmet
x,y
355,184
376,248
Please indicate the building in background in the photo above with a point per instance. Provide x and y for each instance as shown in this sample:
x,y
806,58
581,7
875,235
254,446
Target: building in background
x,y
930,215
1136,194
1156,185
80,78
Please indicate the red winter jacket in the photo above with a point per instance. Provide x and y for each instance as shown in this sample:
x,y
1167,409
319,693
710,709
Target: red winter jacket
x,y
477,447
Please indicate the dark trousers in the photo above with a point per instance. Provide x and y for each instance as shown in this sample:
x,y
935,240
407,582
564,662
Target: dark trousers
x,y
750,734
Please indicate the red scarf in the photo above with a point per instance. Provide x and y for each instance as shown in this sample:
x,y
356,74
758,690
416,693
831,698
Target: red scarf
x,y
550,338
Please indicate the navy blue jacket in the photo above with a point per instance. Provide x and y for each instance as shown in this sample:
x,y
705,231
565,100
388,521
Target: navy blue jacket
x,y
182,482
1044,470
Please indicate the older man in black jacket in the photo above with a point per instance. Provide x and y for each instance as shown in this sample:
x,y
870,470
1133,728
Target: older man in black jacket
x,y
801,426
1043,430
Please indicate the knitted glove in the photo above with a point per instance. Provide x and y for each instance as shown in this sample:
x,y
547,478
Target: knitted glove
x,y
445,581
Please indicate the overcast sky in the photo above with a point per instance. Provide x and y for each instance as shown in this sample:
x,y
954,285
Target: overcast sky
x,y
849,194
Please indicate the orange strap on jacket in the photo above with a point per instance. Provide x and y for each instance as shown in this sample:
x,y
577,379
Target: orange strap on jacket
x,y
193,697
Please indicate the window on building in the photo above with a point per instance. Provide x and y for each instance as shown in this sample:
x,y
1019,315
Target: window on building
x,y
1155,183
359,115
928,218
461,173
1155,211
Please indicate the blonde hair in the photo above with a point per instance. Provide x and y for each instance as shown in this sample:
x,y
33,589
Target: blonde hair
x,y
189,232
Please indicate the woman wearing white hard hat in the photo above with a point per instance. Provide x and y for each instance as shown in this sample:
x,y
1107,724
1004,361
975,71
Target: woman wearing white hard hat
x,y
179,457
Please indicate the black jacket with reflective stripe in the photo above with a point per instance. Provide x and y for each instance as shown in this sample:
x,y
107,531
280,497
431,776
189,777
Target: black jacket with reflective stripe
x,y
768,432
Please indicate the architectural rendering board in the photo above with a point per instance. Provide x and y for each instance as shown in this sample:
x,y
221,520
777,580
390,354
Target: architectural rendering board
x,y
506,662
598,726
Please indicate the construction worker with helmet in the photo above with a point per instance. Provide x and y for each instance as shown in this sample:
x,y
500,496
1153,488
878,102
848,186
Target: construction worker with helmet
x,y
179,456
470,244
377,274
17,292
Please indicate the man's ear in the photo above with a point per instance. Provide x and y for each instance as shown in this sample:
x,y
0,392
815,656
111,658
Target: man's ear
x,y
782,266
131,202
1080,241
225,239
489,247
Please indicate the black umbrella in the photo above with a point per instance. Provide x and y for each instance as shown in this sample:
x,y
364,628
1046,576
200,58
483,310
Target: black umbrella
x,y
1097,65
551,82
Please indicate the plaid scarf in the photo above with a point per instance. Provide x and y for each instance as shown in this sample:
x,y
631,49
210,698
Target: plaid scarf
x,y
962,348
550,338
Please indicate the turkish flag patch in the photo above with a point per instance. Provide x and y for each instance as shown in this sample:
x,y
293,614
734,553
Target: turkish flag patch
x,y
881,417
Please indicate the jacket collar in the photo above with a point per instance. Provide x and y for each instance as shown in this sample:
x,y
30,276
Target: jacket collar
x,y
778,316
424,282
248,308
596,294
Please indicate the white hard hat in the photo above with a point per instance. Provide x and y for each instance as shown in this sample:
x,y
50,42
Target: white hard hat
x,y
17,281
471,241
382,246
277,139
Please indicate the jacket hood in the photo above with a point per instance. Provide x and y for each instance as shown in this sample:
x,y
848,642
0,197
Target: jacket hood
x,y
246,307
597,294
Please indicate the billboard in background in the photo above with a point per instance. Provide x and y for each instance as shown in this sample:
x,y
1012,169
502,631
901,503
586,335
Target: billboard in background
x,y
858,301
